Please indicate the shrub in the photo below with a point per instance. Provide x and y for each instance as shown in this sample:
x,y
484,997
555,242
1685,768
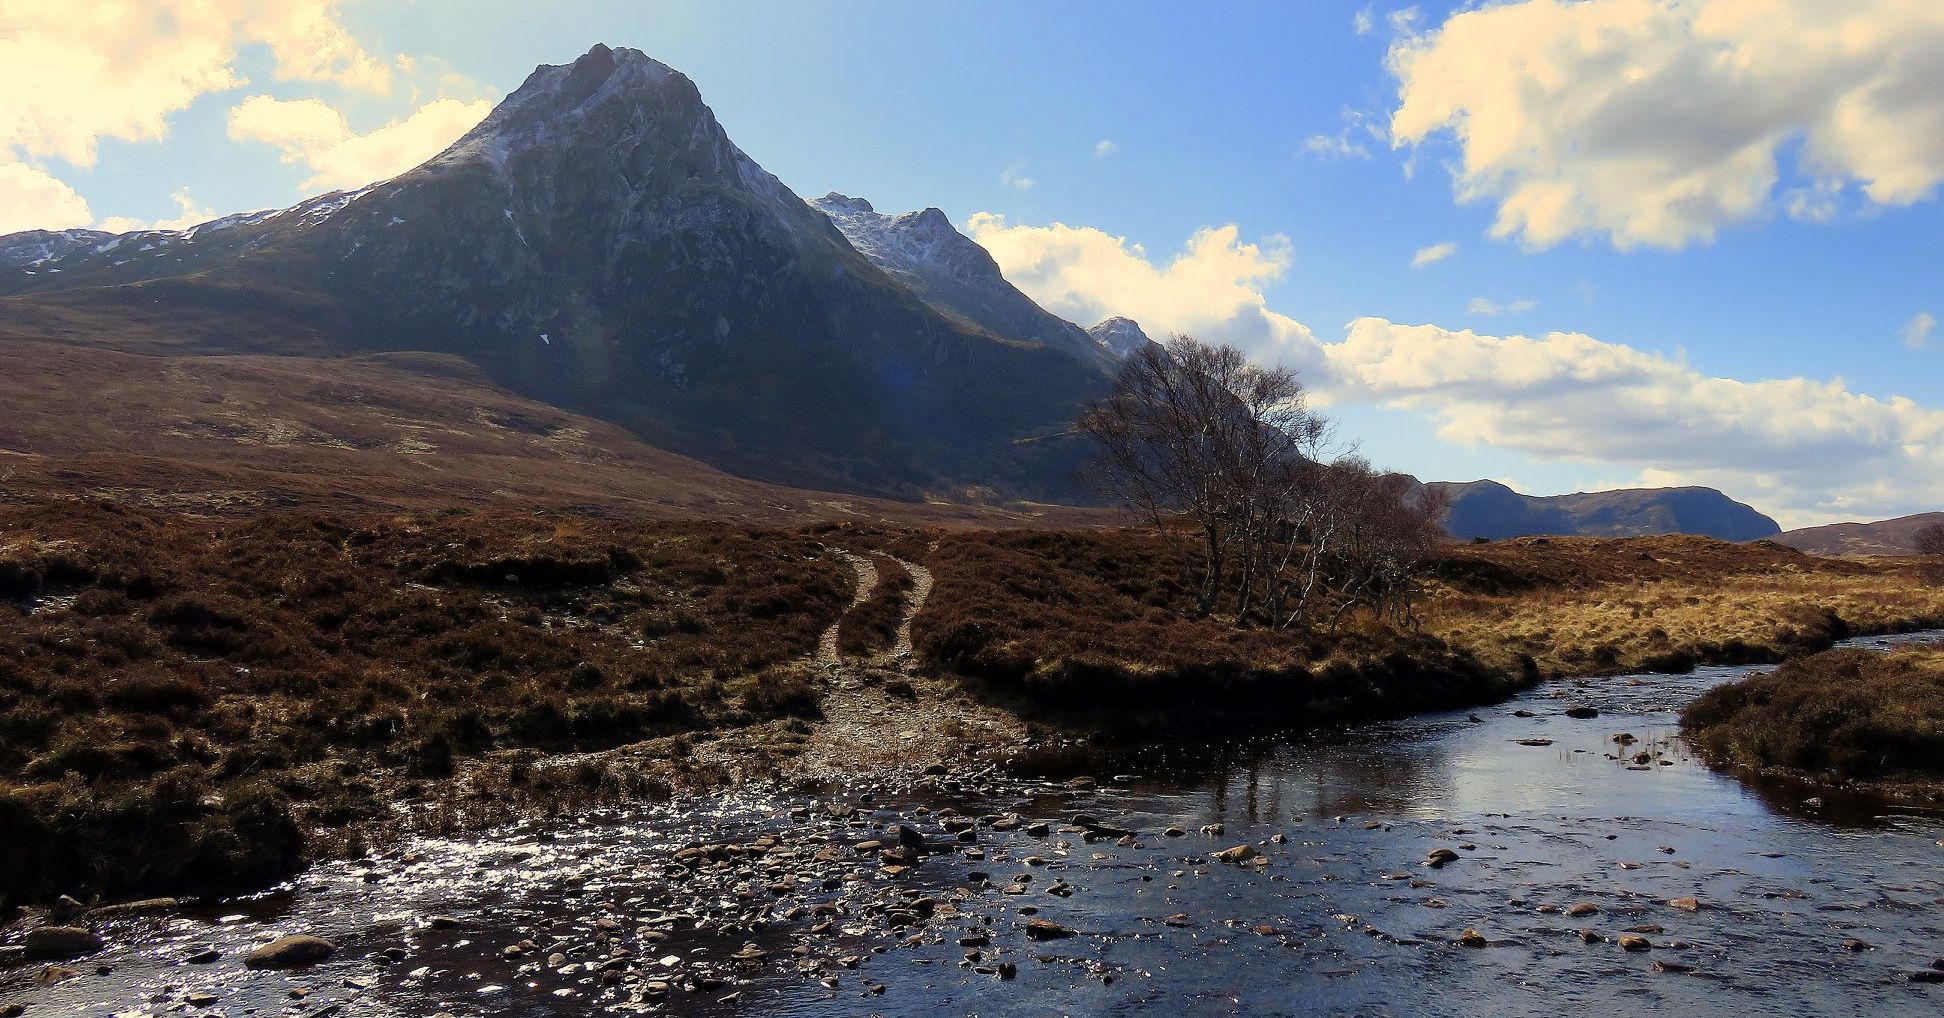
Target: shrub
x,y
1841,715
783,692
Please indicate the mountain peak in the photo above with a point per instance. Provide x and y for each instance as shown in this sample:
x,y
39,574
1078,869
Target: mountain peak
x,y
836,202
951,272
1118,336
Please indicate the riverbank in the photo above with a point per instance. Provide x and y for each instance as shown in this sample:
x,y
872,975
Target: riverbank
x,y
1847,718
199,707
1444,863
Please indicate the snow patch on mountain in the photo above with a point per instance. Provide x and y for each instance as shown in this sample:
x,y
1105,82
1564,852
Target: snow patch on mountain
x,y
1119,336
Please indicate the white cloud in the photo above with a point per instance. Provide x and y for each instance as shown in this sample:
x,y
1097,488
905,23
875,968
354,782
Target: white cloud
x,y
1363,21
74,74
1104,148
188,213
1348,142
1916,332
1014,176
1806,451
1341,146
1486,306
1656,122
32,199
1435,253
312,132
1211,290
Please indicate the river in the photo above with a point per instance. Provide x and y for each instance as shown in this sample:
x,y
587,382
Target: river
x,y
1802,901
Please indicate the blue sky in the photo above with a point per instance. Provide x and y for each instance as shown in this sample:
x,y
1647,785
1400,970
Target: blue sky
x,y
1692,273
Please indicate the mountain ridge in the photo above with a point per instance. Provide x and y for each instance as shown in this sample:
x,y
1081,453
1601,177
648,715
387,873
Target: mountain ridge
x,y
1896,536
1491,510
598,242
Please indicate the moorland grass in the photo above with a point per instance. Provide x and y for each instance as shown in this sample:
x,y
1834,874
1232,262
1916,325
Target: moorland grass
x,y
1841,715
1577,606
870,627
179,699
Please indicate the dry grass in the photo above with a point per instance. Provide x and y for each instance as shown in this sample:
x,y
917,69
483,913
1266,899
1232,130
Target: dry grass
x,y
872,626
1587,605
1101,625
179,698
1847,716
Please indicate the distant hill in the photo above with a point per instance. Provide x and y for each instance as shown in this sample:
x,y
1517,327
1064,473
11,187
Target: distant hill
x,y
1884,537
1492,510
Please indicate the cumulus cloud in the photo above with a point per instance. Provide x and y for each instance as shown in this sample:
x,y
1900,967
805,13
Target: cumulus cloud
x,y
1916,333
1015,177
1487,306
1435,253
1211,289
1104,148
74,74
31,199
1656,122
1363,21
188,213
1805,450
312,132
1810,451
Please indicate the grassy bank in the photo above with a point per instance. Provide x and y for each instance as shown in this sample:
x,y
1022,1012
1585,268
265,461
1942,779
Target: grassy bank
x,y
1846,716
1100,627
197,706
184,704
1577,606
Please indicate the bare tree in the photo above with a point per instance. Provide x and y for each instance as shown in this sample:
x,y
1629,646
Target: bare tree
x,y
1930,544
1198,433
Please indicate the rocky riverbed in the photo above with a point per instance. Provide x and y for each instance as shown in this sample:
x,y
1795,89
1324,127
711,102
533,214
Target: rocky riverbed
x,y
1561,852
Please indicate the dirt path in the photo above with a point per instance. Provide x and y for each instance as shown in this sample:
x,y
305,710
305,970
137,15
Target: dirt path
x,y
881,712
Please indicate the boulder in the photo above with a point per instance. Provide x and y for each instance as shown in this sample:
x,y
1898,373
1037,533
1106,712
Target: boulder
x,y
52,942
1041,929
295,951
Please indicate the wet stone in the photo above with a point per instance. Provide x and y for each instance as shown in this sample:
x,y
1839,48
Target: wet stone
x,y
294,951
53,942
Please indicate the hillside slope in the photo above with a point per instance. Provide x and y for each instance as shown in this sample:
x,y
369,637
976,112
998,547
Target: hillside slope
x,y
600,245
1884,537
1491,510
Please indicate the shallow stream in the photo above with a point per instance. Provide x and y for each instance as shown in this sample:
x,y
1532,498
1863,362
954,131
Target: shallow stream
x,y
1803,902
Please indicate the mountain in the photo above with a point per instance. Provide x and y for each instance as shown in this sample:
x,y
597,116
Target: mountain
x,y
598,244
1885,537
1120,337
953,274
1492,510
